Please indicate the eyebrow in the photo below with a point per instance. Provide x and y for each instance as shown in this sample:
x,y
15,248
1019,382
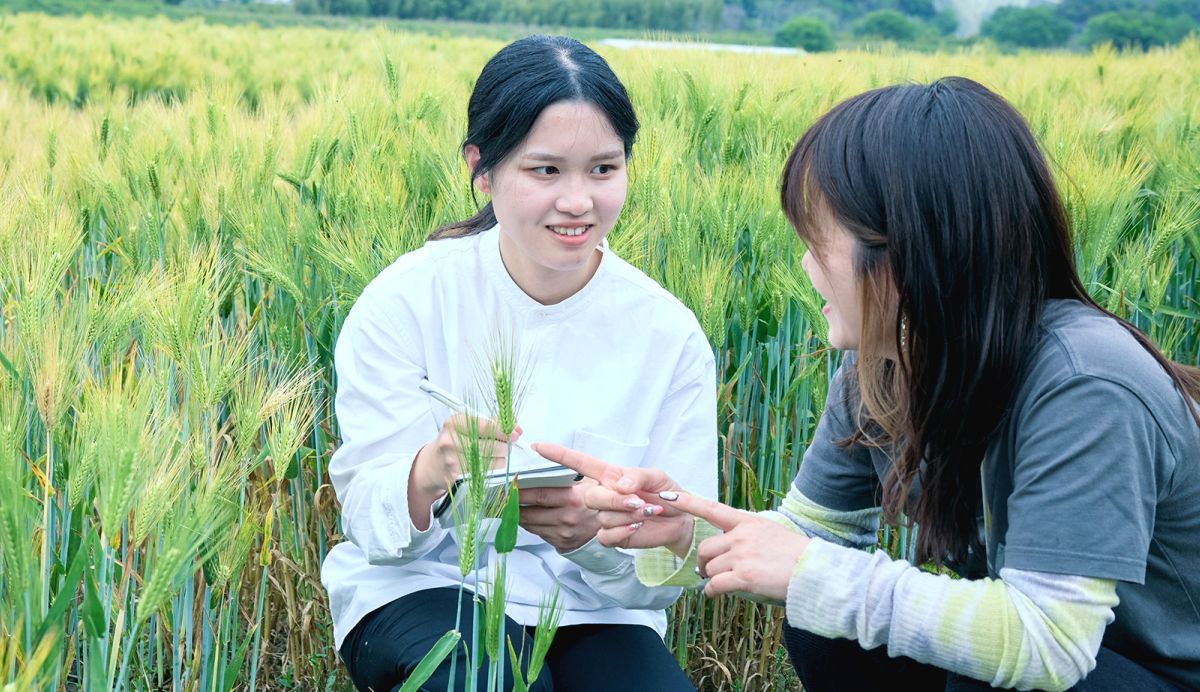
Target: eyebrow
x,y
538,156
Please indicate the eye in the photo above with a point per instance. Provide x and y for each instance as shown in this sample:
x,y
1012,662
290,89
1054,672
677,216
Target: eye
x,y
604,169
544,170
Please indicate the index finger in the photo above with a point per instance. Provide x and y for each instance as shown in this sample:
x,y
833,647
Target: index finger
x,y
607,474
719,515
623,479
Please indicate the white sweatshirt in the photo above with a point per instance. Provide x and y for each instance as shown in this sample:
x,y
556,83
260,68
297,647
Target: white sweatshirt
x,y
620,370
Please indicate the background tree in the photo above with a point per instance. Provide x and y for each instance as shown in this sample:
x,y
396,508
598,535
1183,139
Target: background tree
x,y
917,8
1034,27
1079,11
1132,29
887,24
809,33
1176,8
356,8
945,22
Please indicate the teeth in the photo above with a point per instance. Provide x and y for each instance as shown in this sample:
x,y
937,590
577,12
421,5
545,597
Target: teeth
x,y
568,231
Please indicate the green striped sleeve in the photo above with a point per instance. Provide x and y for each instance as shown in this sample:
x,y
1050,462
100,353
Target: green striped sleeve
x,y
1024,630
661,567
856,528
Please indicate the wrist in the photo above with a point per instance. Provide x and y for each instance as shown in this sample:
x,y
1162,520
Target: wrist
x,y
419,480
682,545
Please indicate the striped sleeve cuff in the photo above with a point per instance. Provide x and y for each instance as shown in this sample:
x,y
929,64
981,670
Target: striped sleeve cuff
x,y
661,567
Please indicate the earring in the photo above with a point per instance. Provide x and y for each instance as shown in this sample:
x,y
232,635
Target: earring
x,y
903,332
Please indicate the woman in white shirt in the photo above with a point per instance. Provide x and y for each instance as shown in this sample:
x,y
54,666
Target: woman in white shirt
x,y
618,368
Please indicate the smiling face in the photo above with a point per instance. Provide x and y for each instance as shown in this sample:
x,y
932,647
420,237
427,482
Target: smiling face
x,y
555,197
832,273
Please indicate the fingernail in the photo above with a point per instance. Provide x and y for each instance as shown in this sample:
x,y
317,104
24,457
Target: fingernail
x,y
635,526
669,495
625,483
651,510
634,503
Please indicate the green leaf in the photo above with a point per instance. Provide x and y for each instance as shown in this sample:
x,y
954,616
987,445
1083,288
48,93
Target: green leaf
x,y
293,468
92,610
235,663
432,660
510,518
66,591
518,679
11,370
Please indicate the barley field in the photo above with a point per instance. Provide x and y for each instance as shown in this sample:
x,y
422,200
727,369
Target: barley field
x,y
188,211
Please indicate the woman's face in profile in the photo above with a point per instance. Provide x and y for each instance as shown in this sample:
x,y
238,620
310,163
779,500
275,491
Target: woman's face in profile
x,y
830,267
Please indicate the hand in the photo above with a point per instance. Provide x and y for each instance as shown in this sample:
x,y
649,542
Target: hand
x,y
754,555
630,513
438,464
559,516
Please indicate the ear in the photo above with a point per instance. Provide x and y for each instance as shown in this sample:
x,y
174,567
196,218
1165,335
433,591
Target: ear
x,y
471,155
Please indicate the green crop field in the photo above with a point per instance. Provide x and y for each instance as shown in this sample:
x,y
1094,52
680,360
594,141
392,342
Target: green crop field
x,y
188,211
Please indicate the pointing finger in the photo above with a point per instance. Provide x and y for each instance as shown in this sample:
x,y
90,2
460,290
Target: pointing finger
x,y
719,515
581,463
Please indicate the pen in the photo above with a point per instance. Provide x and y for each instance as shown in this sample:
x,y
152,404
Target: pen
x,y
452,402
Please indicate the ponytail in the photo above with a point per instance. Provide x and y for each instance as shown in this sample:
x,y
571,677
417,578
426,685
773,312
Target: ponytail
x,y
483,219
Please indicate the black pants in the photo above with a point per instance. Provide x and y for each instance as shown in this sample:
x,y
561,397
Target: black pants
x,y
385,646
841,664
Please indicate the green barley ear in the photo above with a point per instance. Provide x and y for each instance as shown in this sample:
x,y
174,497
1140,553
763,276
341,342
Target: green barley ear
x,y
549,615
57,372
114,316
792,285
51,149
272,394
494,614
503,379
215,366
699,276
393,79
205,515
233,558
83,470
14,411
288,427
470,496
181,312
19,515
506,414
162,491
105,129
133,433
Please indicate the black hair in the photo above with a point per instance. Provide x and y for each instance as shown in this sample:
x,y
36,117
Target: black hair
x,y
516,85
960,238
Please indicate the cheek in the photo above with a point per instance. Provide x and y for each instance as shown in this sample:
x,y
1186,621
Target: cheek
x,y
612,192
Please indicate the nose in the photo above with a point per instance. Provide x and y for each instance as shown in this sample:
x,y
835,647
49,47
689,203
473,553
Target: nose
x,y
574,199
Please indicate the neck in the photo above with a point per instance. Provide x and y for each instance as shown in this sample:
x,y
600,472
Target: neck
x,y
546,286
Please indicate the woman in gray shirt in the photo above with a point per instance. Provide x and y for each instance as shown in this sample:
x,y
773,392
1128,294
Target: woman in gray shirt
x,y
1047,451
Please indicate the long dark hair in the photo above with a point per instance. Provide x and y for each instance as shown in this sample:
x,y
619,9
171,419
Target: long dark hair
x,y
961,237
516,85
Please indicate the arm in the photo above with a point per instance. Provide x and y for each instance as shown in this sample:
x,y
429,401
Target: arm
x,y
842,477
1042,622
1026,629
682,444
856,528
384,421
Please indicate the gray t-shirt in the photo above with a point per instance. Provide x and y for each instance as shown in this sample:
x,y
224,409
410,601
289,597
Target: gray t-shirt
x,y
1095,472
